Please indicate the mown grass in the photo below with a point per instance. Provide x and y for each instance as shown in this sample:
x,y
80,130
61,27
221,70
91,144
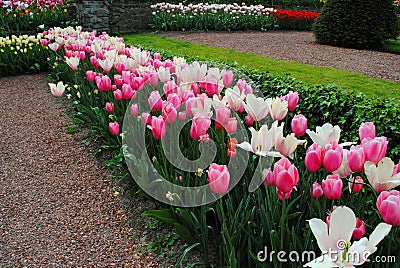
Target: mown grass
x,y
310,75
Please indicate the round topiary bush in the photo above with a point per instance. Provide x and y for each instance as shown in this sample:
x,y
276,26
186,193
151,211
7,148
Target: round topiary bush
x,y
362,24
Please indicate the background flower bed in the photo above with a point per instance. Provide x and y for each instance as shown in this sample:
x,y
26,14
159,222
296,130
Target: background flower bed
x,y
32,16
251,220
228,17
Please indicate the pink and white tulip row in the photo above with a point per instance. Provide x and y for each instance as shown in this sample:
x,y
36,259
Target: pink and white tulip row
x,y
199,92
213,8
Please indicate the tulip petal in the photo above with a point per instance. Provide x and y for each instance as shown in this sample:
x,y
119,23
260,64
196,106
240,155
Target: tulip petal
x,y
381,230
342,224
320,231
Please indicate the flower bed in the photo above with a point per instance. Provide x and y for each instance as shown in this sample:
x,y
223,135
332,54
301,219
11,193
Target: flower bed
x,y
31,16
228,17
253,180
22,54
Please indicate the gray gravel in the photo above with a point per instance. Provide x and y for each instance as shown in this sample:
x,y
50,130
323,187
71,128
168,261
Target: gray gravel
x,y
57,203
300,47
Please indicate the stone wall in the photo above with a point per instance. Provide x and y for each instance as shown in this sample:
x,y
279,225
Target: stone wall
x,y
115,17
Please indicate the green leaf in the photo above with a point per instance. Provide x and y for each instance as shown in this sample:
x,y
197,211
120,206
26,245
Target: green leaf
x,y
164,215
184,233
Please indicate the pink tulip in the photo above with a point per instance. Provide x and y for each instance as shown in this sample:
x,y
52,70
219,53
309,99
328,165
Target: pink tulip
x,y
120,66
153,78
127,92
360,229
82,55
182,116
155,101
281,195
249,120
90,76
158,127
374,148
396,169
110,107
316,190
134,109
170,87
114,128
103,83
169,113
356,184
332,156
268,176
299,125
292,99
388,204
186,95
146,118
175,100
94,62
286,175
367,130
332,186
313,160
205,138
244,87
231,126
118,80
218,178
222,115
57,89
157,56
118,95
200,125
44,42
211,86
227,78
137,83
356,158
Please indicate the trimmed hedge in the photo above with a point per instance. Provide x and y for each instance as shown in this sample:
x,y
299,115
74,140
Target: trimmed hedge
x,y
361,24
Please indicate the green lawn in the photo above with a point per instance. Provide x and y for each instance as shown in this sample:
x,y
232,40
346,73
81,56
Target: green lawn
x,y
310,75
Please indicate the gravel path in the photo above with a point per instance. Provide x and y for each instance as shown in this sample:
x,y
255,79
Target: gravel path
x,y
299,47
57,204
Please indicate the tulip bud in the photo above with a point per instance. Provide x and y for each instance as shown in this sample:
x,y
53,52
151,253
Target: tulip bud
x,y
359,231
134,109
316,190
268,176
313,160
227,78
356,184
114,128
110,107
292,99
